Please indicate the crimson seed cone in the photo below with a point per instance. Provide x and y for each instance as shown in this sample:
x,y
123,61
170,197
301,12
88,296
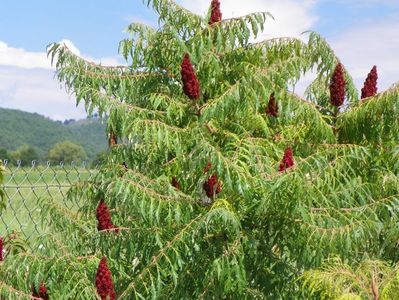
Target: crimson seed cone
x,y
191,86
104,285
104,217
1,248
370,85
287,161
337,86
216,14
42,293
272,108
212,186
175,183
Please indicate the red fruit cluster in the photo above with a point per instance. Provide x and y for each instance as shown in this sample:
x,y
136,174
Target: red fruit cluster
x,y
1,249
212,186
216,14
42,293
104,284
272,108
337,86
175,183
287,161
104,217
370,85
191,86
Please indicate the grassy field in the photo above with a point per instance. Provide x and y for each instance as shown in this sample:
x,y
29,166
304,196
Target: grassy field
x,y
24,187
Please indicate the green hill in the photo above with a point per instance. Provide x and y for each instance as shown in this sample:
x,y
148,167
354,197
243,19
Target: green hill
x,y
18,128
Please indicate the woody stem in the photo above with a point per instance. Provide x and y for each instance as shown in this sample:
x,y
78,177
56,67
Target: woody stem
x,y
335,115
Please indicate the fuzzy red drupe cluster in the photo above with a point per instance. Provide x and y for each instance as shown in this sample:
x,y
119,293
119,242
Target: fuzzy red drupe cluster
x,y
272,107
191,85
370,85
287,161
1,249
175,183
337,86
216,14
41,293
212,186
104,217
104,284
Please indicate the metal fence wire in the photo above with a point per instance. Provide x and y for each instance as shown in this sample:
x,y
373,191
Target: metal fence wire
x,y
25,186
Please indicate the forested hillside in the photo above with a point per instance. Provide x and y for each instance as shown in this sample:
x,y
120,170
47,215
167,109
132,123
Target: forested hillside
x,y
18,128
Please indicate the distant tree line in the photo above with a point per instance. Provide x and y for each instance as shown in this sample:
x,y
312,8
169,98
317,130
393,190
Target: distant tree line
x,y
65,151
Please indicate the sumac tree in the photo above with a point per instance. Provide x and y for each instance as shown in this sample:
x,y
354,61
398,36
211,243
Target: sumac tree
x,y
215,192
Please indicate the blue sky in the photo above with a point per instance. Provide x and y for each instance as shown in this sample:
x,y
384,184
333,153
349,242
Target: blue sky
x,y
362,33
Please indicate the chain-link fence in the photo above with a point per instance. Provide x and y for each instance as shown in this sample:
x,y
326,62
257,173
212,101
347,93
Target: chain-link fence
x,y
25,186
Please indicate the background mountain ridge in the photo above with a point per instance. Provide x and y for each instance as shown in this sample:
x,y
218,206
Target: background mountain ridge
x,y
19,128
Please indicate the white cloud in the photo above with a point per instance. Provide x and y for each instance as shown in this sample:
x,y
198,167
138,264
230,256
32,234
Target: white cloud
x,y
36,90
10,56
105,61
27,83
71,46
18,57
292,17
369,44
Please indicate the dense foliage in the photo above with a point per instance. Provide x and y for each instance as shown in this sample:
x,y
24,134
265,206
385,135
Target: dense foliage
x,y
67,152
24,154
221,183
19,128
